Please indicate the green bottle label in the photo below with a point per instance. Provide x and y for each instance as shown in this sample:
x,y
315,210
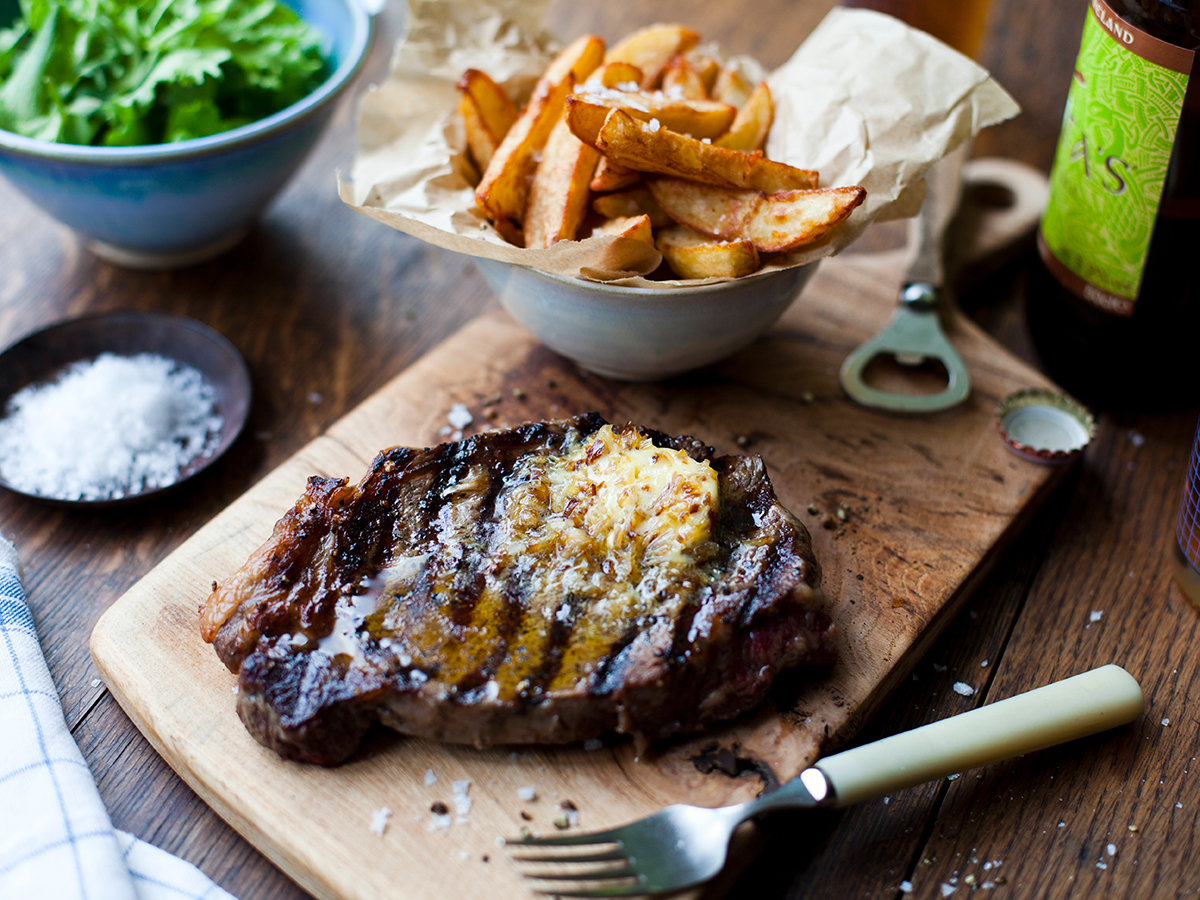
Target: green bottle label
x,y
1123,108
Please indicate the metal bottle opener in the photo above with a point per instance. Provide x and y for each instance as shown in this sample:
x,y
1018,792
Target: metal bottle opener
x,y
915,332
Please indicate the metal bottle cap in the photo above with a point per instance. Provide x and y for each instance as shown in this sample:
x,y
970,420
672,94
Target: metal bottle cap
x,y
1044,426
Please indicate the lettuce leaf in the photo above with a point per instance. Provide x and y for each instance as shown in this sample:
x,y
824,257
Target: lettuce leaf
x,y
123,72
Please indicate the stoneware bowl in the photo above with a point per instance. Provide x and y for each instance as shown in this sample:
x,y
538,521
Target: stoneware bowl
x,y
169,205
642,334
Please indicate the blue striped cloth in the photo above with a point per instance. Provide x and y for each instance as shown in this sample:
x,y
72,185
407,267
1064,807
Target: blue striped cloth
x,y
56,839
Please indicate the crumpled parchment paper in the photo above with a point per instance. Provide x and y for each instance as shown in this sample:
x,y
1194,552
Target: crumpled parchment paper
x,y
864,100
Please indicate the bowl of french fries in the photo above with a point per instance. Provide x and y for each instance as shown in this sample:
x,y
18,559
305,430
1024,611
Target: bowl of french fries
x,y
644,141
651,206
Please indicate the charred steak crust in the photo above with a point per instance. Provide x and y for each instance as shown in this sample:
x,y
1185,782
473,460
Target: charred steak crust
x,y
417,598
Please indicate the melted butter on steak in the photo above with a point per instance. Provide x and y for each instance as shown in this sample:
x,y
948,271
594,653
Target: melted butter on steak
x,y
613,525
618,527
543,584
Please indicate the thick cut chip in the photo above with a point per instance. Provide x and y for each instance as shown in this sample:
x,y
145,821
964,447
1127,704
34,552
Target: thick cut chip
x,y
774,222
730,87
614,75
636,227
749,130
558,197
481,146
694,255
708,68
487,112
642,146
510,231
504,188
651,48
698,118
611,177
637,201
682,79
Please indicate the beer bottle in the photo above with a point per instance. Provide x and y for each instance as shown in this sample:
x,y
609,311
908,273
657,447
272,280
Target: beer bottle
x,y
1112,302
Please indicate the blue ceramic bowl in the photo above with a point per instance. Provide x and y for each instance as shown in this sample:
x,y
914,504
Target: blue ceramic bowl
x,y
168,205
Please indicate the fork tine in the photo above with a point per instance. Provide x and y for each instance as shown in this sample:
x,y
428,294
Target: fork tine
x,y
564,840
613,854
591,875
616,891
607,891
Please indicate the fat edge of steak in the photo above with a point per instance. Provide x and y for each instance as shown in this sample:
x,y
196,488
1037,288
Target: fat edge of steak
x,y
716,659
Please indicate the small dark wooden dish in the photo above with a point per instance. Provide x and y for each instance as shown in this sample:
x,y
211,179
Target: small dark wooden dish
x,y
40,356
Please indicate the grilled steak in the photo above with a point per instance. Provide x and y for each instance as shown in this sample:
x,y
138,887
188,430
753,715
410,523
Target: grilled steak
x,y
543,584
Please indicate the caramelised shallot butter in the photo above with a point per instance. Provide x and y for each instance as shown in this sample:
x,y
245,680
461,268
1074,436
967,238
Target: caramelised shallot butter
x,y
618,526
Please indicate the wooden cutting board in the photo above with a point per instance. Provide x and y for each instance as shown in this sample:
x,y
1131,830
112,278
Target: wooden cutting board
x,y
927,504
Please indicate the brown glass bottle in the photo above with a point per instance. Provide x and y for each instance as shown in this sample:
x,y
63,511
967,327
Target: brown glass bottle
x,y
1152,357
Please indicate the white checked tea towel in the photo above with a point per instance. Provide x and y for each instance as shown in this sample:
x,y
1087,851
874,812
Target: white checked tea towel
x,y
56,839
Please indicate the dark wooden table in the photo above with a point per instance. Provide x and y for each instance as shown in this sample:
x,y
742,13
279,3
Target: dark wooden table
x,y
327,305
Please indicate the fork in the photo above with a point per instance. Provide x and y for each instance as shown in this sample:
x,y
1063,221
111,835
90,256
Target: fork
x,y
682,845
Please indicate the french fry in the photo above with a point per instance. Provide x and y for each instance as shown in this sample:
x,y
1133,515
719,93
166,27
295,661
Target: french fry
x,y
504,187
708,69
752,124
731,88
611,177
634,202
770,175
772,222
652,143
558,196
694,255
636,227
682,79
487,112
510,231
651,48
615,75
698,118
481,142
646,148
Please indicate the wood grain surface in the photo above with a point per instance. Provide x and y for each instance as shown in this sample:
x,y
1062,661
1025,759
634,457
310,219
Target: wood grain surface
x,y
328,307
907,513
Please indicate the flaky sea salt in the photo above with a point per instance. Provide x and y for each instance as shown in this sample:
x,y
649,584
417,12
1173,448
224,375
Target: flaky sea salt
x,y
379,820
462,802
459,417
108,427
961,687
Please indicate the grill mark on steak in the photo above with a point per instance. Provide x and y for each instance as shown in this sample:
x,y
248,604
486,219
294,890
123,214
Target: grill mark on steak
x,y
562,627
507,627
609,674
406,607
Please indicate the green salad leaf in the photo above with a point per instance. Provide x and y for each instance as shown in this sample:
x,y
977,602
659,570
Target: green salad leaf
x,y
123,72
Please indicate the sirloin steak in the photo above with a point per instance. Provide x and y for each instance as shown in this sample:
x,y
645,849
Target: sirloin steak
x,y
548,583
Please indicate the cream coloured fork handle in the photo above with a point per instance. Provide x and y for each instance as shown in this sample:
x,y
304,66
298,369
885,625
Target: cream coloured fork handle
x,y
1072,708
